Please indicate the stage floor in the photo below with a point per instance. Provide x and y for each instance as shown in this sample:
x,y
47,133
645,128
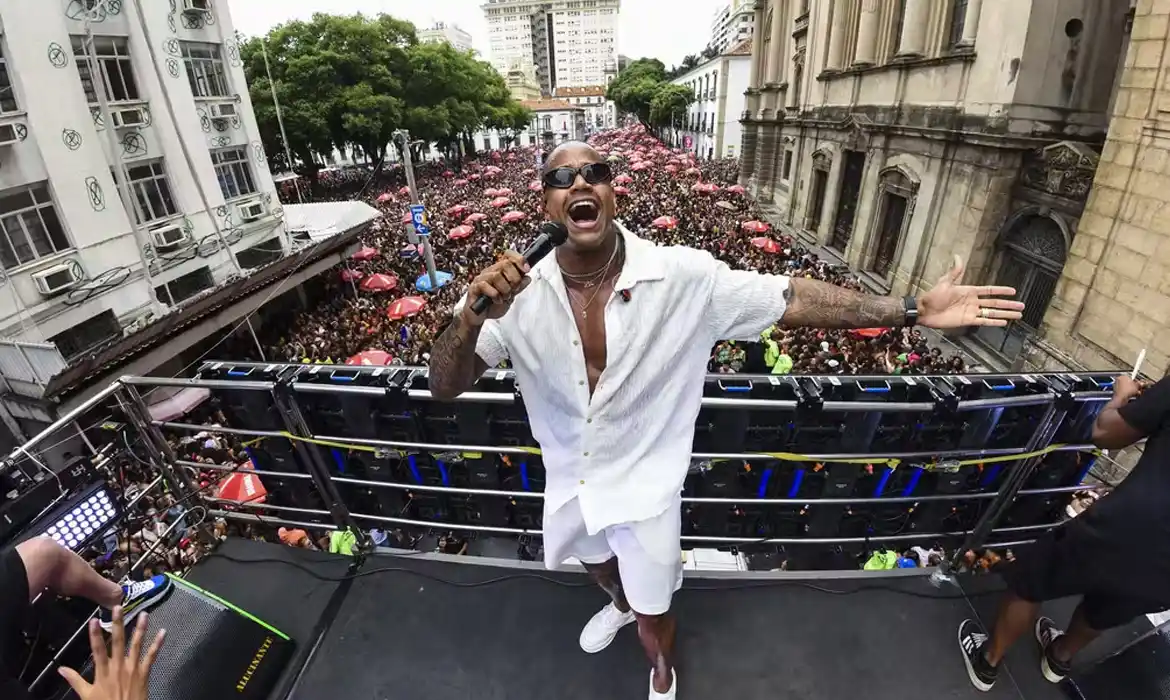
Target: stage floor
x,y
445,628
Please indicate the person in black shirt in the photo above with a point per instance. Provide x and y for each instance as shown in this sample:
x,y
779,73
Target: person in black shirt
x,y
41,563
1116,554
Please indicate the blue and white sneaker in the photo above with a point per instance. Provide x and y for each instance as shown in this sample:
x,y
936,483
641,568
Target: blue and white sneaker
x,y
137,597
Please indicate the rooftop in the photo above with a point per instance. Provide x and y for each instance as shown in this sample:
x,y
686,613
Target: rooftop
x,y
586,91
548,105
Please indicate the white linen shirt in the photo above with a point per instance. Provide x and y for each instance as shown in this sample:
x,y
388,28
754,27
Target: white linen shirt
x,y
625,452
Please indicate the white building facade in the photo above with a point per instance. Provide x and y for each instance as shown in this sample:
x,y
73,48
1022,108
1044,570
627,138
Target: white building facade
x,y
553,123
80,263
568,43
450,33
900,133
733,24
711,128
600,113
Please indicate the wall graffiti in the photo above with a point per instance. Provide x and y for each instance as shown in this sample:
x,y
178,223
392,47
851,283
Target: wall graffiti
x,y
83,10
100,284
97,198
71,138
134,145
58,57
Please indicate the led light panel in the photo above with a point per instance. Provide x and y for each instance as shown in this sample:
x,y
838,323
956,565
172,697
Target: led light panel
x,y
85,518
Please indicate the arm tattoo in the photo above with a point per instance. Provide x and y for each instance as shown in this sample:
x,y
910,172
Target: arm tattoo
x,y
823,305
454,365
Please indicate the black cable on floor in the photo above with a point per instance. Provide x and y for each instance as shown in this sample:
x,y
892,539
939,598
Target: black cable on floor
x,y
746,585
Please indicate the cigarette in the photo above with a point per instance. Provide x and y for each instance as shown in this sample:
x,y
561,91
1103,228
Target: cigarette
x,y
1138,365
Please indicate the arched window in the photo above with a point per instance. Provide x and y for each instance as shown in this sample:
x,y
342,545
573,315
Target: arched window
x,y
1032,256
820,184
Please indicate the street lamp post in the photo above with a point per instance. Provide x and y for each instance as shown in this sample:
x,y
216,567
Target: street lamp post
x,y
408,166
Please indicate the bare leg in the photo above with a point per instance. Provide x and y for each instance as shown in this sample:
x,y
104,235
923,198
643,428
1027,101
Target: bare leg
x,y
607,576
49,565
1078,636
1016,618
656,632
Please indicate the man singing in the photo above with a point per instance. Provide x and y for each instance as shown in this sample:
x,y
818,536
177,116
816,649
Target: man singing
x,y
610,339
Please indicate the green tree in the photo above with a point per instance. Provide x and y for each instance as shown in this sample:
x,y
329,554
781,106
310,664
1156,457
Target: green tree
x,y
669,101
634,88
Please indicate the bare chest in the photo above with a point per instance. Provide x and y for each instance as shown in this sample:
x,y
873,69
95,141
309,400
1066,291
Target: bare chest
x,y
588,306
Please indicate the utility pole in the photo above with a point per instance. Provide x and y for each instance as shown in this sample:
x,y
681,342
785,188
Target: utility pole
x,y
280,117
408,166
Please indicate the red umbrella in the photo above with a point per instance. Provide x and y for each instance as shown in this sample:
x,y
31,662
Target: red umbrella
x,y
366,253
242,487
474,217
755,227
494,170
379,283
666,222
491,192
693,171
385,197
456,210
621,190
504,192
473,177
513,216
640,166
623,179
460,232
736,189
460,181
348,275
448,173
671,168
534,186
501,202
767,245
371,357
406,219
406,306
867,332
404,191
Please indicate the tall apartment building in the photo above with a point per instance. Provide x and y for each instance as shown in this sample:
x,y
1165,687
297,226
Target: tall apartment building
x,y
569,43
137,211
450,33
733,24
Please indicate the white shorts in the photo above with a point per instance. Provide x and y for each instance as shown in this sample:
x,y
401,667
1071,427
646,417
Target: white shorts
x,y
649,552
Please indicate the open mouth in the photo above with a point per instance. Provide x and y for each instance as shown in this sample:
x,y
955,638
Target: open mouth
x,y
584,213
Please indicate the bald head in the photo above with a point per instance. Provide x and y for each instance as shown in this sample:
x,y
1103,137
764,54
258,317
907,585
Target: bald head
x,y
570,150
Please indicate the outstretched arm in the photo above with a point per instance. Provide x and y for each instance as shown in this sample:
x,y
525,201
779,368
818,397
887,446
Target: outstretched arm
x,y
822,305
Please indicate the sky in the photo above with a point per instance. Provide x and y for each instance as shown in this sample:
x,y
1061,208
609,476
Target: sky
x,y
664,29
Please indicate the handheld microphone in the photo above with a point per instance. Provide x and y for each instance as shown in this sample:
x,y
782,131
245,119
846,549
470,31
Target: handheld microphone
x,y
552,234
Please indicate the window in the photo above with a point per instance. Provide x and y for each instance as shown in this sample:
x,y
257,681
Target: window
x,y
182,288
787,166
958,19
151,193
7,96
205,70
29,226
233,173
88,334
113,59
260,254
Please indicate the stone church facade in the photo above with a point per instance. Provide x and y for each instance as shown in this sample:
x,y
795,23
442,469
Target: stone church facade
x,y
900,133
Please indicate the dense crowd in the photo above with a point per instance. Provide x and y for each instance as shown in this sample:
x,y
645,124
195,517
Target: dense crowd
x,y
347,320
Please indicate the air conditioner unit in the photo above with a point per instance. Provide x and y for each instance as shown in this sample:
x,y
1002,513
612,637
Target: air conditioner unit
x,y
223,110
169,235
196,5
128,117
56,279
8,135
250,211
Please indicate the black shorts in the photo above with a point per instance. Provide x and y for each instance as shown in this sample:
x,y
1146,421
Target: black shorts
x,y
1067,563
13,608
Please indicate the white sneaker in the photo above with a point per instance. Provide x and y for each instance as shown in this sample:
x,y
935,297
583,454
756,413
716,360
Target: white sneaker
x,y
668,695
603,627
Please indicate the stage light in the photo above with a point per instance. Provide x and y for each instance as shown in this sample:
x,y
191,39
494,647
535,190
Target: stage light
x,y
79,519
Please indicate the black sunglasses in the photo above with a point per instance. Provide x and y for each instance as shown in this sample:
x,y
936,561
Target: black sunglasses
x,y
563,178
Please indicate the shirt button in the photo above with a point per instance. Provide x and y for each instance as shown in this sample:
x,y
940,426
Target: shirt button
x,y
586,454
588,420
576,342
581,383
582,482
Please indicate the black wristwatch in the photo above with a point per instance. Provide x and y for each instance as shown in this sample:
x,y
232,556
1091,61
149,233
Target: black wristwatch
x,y
911,306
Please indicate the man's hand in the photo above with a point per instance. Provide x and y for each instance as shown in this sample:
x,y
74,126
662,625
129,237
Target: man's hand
x,y
501,283
118,675
951,305
1126,389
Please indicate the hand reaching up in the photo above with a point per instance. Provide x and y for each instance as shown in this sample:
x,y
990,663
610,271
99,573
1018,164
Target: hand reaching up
x,y
120,674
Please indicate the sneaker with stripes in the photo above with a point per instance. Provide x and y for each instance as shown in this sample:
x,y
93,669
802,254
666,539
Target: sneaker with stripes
x,y
1054,669
971,641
